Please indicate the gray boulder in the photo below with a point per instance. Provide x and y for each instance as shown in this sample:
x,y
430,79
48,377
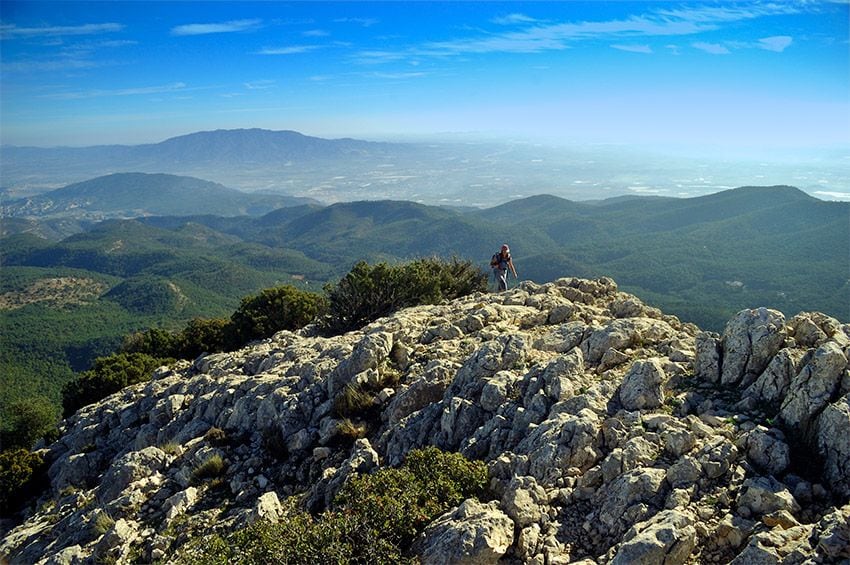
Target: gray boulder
x,y
642,386
472,534
749,342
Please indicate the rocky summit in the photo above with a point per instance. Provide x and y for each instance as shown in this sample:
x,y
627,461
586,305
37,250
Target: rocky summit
x,y
612,433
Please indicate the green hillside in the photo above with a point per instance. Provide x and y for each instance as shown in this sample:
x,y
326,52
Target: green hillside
x,y
702,259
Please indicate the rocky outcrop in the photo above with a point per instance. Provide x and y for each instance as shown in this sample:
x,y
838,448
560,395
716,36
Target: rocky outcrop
x,y
612,433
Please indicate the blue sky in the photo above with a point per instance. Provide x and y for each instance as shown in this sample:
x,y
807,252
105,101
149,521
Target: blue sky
x,y
745,75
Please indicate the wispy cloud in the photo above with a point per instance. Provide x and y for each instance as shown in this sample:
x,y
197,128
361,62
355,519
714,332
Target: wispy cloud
x,y
633,48
513,19
316,33
260,84
712,48
534,36
365,22
232,26
397,76
158,89
288,50
777,43
11,31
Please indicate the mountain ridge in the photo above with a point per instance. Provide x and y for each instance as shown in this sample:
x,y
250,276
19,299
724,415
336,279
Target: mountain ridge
x,y
140,194
611,432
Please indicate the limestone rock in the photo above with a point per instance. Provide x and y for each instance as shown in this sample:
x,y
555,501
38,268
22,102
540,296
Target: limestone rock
x,y
813,387
763,495
667,538
642,386
473,533
749,342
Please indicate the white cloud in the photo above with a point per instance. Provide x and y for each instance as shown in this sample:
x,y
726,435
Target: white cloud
x,y
222,27
634,48
288,50
712,48
512,19
777,43
174,87
10,31
397,76
315,33
260,84
365,22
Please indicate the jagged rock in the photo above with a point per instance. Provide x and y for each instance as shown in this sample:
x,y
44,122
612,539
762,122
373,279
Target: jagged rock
x,y
763,495
708,352
178,503
749,342
71,555
524,501
267,508
813,387
642,386
767,449
579,399
812,329
667,538
363,459
117,540
833,533
131,467
473,533
776,546
833,441
627,500
772,385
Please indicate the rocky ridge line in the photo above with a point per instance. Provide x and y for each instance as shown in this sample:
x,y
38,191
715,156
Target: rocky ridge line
x,y
613,434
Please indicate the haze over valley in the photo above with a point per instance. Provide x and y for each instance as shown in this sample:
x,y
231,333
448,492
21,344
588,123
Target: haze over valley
x,y
470,172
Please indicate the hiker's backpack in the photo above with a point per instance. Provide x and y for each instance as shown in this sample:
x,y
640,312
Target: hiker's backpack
x,y
497,259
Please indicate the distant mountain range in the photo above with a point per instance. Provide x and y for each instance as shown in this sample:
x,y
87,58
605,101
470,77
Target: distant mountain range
x,y
130,195
455,171
221,154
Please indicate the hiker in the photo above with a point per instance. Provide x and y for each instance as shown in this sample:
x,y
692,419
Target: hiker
x,y
500,264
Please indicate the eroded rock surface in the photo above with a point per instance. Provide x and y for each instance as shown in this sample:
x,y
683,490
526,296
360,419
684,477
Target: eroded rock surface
x,y
612,433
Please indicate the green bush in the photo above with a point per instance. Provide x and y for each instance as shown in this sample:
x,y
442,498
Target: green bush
x,y
20,477
375,517
203,335
155,342
109,375
398,503
272,310
28,421
367,292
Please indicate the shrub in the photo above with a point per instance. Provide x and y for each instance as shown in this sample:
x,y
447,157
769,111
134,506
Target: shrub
x,y
398,503
155,341
216,436
202,335
213,467
20,477
28,421
367,292
272,310
109,375
353,401
375,519
102,523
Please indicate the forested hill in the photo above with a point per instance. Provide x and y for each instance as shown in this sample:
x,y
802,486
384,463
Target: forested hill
x,y
139,194
701,259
